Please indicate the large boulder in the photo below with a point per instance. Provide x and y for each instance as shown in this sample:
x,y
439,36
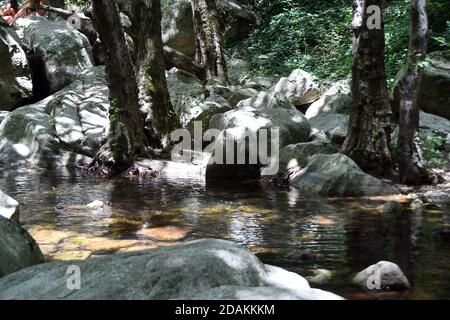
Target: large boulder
x,y
434,92
240,126
338,175
191,100
60,128
16,86
298,155
300,88
337,99
18,250
9,208
264,99
335,126
184,271
65,51
435,89
383,275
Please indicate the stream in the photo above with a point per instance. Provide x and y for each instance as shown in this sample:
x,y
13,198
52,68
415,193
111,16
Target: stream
x,y
282,227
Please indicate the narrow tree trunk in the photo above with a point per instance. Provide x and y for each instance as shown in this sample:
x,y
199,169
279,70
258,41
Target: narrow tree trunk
x,y
209,41
410,164
126,139
368,138
154,95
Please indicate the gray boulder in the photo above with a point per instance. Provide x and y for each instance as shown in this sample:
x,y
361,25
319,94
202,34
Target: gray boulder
x,y
384,276
9,208
240,126
184,271
238,69
435,93
17,249
338,175
264,99
61,129
337,99
295,155
335,126
15,75
65,51
300,88
191,100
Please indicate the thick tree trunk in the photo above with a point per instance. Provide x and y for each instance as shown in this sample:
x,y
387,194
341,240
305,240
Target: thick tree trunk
x,y
126,139
410,164
209,41
369,133
154,95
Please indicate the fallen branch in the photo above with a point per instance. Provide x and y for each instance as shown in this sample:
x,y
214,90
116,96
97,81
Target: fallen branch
x,y
173,58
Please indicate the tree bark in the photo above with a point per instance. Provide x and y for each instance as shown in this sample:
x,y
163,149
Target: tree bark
x,y
411,167
126,138
173,58
369,132
154,95
209,40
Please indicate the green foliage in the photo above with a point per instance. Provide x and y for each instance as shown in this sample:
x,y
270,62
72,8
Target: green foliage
x,y
316,35
432,150
79,3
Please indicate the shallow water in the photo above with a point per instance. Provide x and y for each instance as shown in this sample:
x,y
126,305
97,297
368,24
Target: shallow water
x,y
280,225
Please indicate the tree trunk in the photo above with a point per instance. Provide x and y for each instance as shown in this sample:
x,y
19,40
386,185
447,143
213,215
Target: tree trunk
x,y
410,164
126,138
209,41
369,132
154,95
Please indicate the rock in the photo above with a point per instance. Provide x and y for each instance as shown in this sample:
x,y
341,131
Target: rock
x,y
335,126
178,28
321,276
240,94
390,207
65,51
435,93
61,129
95,205
266,99
298,155
9,208
192,101
17,250
300,88
264,294
238,69
3,115
417,205
16,86
169,233
437,196
432,124
338,175
387,276
337,99
185,271
243,123
262,83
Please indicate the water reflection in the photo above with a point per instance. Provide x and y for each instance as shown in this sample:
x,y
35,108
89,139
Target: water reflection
x,y
299,232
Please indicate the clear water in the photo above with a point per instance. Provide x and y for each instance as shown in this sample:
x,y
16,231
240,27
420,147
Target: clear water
x,y
281,226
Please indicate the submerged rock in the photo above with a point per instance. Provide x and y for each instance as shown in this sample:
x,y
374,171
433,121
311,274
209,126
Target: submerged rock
x,y
16,86
65,51
321,276
186,271
384,276
338,175
9,208
17,250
